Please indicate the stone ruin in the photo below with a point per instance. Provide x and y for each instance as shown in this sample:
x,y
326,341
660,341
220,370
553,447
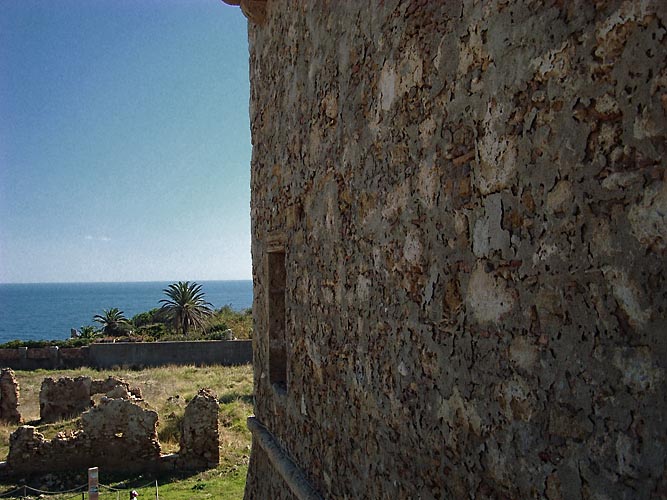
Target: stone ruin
x,y
199,443
9,397
119,434
115,387
67,397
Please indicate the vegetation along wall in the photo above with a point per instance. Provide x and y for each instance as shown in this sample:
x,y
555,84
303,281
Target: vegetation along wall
x,y
459,230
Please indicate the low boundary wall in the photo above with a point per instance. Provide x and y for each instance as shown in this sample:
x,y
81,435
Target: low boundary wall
x,y
132,354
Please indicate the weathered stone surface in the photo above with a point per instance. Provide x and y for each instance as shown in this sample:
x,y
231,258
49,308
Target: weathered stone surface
x,y
128,428
107,385
273,485
67,397
117,434
199,442
471,197
9,397
63,398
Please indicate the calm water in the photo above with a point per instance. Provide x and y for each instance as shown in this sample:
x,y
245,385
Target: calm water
x,y
49,310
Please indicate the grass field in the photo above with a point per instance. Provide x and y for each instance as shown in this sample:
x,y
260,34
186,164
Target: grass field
x,y
167,390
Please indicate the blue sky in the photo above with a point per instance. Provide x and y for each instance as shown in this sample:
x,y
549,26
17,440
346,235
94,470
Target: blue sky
x,y
124,141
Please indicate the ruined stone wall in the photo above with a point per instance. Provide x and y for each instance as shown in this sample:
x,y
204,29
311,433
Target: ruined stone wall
x,y
472,201
117,434
63,397
199,444
9,397
67,397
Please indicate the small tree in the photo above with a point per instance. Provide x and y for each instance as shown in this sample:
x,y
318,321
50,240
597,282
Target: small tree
x,y
185,307
113,321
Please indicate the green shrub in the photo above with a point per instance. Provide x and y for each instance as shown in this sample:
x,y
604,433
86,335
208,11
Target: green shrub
x,y
13,344
240,322
224,335
154,331
151,317
218,327
79,342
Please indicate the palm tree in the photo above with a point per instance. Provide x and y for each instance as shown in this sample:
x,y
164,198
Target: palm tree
x,y
185,306
88,332
112,320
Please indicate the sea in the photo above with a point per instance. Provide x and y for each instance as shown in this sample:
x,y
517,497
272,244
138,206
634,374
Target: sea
x,y
48,311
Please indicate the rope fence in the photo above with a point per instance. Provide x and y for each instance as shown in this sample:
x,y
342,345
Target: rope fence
x,y
80,492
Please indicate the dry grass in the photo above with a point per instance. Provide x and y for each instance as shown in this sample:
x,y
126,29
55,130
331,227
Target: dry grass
x,y
167,390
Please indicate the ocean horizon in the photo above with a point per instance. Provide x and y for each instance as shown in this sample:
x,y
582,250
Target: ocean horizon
x,y
48,311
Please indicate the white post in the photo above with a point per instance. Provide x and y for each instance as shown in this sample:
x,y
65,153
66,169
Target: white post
x,y
93,483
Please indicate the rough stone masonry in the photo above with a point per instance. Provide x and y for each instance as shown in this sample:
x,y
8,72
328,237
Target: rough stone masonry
x,y
9,397
67,397
459,222
199,441
119,434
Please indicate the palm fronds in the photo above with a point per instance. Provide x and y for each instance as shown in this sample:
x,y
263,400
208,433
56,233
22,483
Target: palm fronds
x,y
185,307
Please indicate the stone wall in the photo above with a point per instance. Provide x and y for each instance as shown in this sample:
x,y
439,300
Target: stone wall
x,y
200,443
134,354
68,397
145,354
9,397
266,482
34,358
470,198
118,435
111,384
63,398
